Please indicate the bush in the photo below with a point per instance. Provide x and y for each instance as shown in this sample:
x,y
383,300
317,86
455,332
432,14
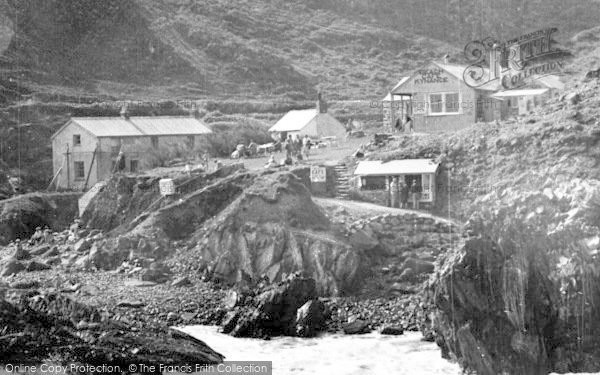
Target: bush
x,y
226,136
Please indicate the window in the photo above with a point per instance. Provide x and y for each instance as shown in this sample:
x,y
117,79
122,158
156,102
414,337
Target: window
x,y
134,165
374,183
79,170
154,141
191,141
444,103
127,141
76,139
452,103
435,101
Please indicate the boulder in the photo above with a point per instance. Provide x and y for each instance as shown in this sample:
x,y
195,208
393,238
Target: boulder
x,y
37,266
39,250
12,267
310,318
392,330
573,98
21,254
358,326
407,275
131,304
230,321
157,273
273,310
419,266
82,245
362,239
181,281
231,299
29,284
52,252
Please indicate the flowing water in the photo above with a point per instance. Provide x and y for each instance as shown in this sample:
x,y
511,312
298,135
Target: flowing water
x,y
333,354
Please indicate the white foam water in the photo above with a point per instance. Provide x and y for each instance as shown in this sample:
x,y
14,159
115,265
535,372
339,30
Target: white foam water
x,y
333,354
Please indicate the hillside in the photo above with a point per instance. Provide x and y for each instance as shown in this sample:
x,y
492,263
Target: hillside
x,y
180,48
242,63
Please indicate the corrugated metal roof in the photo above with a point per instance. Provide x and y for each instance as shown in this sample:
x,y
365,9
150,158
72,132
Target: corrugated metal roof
x,y
394,167
526,92
107,126
169,125
141,126
294,120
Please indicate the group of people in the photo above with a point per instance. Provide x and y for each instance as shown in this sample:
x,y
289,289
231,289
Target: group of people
x,y
406,125
296,147
242,151
400,192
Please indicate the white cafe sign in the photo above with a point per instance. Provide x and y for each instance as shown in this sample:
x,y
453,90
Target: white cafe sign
x,y
318,174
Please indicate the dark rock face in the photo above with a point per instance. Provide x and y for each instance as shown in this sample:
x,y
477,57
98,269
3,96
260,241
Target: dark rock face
x,y
274,228
310,318
274,310
30,328
356,327
12,267
20,215
392,330
515,293
487,336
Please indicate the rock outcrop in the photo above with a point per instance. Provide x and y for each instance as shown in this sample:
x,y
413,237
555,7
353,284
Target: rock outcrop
x,y
274,228
518,295
20,215
31,326
286,308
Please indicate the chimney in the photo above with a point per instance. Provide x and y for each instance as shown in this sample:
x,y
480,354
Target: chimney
x,y
124,112
194,111
446,58
321,104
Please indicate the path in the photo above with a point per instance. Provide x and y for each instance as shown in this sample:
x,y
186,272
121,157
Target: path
x,y
366,209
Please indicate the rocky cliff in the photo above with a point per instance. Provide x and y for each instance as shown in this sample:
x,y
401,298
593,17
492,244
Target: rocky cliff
x,y
521,293
19,216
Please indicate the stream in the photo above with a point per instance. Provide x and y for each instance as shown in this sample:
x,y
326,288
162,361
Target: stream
x,y
333,354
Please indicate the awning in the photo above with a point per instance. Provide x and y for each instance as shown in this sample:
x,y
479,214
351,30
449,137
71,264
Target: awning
x,y
396,167
526,92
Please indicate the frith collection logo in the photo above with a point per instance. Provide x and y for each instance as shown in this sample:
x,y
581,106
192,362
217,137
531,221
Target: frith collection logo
x,y
515,62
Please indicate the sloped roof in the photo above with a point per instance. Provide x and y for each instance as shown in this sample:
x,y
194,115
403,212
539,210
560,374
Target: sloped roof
x,y
294,120
551,81
402,80
394,167
526,92
106,127
456,71
169,125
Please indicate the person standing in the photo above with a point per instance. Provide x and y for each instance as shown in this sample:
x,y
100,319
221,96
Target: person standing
x,y
409,122
394,192
306,146
289,148
120,164
403,194
415,191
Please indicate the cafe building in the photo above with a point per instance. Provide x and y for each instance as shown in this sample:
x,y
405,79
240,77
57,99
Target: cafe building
x,y
437,99
374,177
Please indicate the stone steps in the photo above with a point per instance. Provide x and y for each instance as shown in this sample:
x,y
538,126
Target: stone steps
x,y
342,181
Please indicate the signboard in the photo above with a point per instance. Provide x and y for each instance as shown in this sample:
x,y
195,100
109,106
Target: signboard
x,y
318,174
166,186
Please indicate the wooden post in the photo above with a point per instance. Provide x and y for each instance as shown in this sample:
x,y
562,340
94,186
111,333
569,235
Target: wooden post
x,y
87,178
68,169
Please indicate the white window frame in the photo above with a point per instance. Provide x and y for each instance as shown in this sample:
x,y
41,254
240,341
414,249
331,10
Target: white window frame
x,y
443,112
